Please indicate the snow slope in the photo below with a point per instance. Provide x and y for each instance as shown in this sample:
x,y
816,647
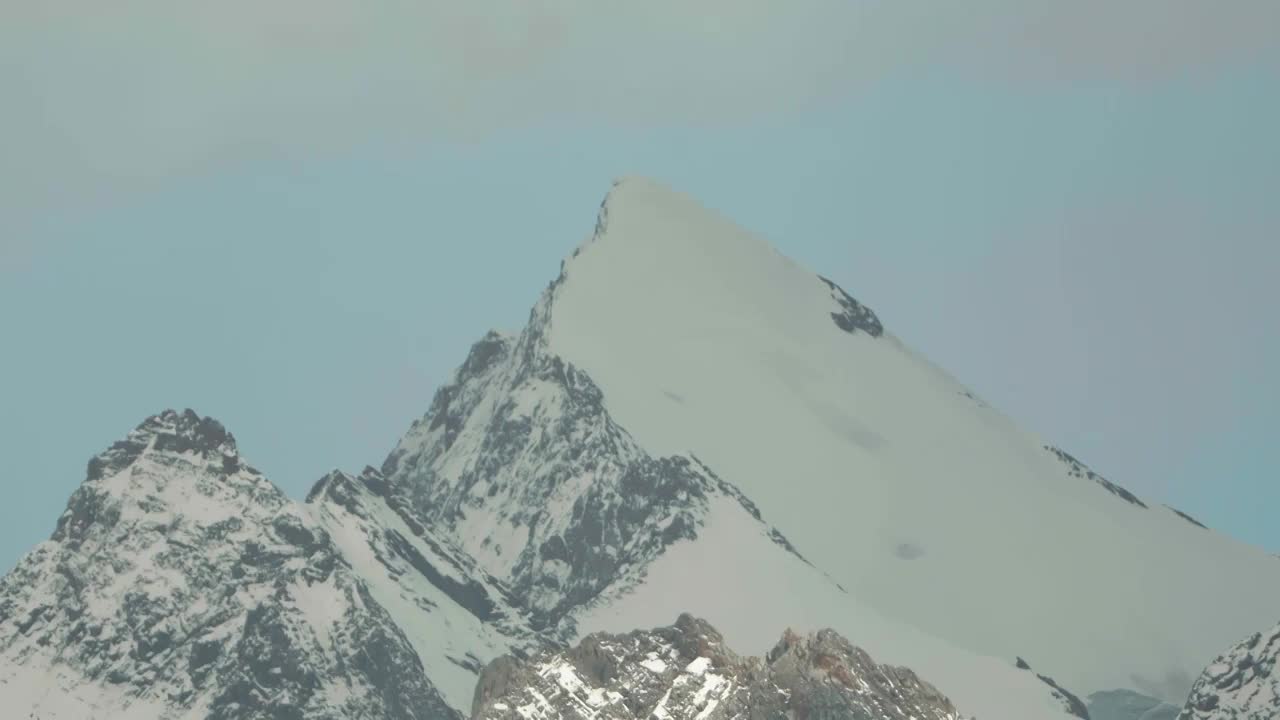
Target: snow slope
x,y
456,616
928,506
744,584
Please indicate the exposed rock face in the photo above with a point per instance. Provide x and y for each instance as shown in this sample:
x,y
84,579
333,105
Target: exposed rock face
x,y
852,315
455,575
1077,469
518,460
526,450
1242,684
456,616
180,583
684,672
1187,517
1072,703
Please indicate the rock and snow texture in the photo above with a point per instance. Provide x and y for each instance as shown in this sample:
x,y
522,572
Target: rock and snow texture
x,y
180,583
1242,684
519,462
928,507
689,422
456,616
1070,702
736,573
686,672
681,383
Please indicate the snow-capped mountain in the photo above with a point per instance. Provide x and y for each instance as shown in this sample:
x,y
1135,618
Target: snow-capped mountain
x,y
689,423
880,468
685,672
180,583
1241,684
520,462
692,422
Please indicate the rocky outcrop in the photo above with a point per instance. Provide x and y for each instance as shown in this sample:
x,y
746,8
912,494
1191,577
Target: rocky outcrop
x,y
1242,684
1077,469
852,316
684,672
1070,701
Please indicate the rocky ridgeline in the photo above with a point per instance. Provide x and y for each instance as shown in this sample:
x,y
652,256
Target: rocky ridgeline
x,y
519,461
684,672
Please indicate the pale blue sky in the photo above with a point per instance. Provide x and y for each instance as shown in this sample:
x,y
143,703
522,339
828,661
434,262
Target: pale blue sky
x,y
298,221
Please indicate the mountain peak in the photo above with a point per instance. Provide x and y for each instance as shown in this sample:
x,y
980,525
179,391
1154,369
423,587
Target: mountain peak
x,y
638,188
663,276
634,202
188,431
658,258
169,431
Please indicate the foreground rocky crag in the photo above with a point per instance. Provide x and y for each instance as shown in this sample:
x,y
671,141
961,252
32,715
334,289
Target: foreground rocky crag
x,y
1242,684
180,583
684,671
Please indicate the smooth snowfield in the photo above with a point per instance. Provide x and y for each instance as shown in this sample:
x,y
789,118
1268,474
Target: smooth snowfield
x,y
744,584
929,507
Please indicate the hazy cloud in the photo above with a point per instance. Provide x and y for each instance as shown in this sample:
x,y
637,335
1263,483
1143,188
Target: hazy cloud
x,y
99,92
15,253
